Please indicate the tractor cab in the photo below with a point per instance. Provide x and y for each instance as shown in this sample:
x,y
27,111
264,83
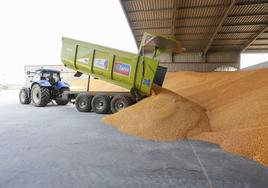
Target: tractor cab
x,y
52,76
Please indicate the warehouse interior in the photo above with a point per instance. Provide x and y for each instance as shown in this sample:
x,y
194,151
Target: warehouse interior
x,y
213,32
203,125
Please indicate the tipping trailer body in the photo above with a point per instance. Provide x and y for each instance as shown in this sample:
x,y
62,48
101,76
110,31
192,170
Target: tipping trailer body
x,y
131,71
125,69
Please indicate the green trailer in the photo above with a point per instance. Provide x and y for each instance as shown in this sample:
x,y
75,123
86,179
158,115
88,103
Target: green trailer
x,y
136,73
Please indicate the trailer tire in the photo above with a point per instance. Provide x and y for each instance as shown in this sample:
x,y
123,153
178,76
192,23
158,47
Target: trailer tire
x,y
40,96
83,102
101,104
59,100
119,102
24,96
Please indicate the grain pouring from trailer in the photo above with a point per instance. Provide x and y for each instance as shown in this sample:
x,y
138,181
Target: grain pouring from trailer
x,y
136,73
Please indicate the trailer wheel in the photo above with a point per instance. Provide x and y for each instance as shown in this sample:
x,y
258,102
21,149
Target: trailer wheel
x,y
101,104
119,102
40,96
24,97
83,102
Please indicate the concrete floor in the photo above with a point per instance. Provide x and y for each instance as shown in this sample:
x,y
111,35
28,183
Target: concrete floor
x,y
60,147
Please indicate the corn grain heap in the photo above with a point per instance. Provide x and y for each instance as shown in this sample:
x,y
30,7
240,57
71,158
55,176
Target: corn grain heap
x,y
165,116
234,111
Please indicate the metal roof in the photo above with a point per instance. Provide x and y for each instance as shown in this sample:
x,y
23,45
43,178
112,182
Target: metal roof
x,y
203,25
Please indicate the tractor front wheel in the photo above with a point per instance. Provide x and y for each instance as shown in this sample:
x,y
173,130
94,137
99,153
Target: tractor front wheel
x,y
24,97
40,96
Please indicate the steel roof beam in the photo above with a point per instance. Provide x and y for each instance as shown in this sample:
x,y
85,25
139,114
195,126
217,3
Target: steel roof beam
x,y
181,8
254,38
219,27
200,17
205,33
197,7
246,24
175,27
244,15
149,10
252,3
197,26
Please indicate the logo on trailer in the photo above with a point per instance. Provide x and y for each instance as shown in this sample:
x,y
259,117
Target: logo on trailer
x,y
122,68
101,63
147,82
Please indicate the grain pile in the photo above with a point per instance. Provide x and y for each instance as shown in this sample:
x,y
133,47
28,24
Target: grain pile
x,y
237,107
236,104
165,116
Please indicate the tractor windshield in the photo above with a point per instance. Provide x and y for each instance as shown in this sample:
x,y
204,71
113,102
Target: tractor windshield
x,y
51,76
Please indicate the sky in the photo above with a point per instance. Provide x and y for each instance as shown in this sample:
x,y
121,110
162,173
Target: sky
x,y
31,32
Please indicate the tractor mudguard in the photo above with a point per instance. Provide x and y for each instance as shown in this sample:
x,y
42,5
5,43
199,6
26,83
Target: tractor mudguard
x,y
62,84
42,83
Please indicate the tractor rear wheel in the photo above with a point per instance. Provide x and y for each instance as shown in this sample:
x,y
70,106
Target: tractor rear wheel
x,y
40,96
119,102
24,97
83,102
59,100
101,104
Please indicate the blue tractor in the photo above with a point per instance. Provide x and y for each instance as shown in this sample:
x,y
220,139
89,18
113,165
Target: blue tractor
x,y
46,85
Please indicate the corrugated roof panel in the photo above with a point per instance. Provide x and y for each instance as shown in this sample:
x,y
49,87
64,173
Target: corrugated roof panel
x,y
256,51
201,12
151,15
227,42
234,35
192,36
152,24
250,1
147,5
193,43
198,22
191,3
263,35
140,32
193,48
243,28
247,19
263,41
225,48
258,47
250,9
195,30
